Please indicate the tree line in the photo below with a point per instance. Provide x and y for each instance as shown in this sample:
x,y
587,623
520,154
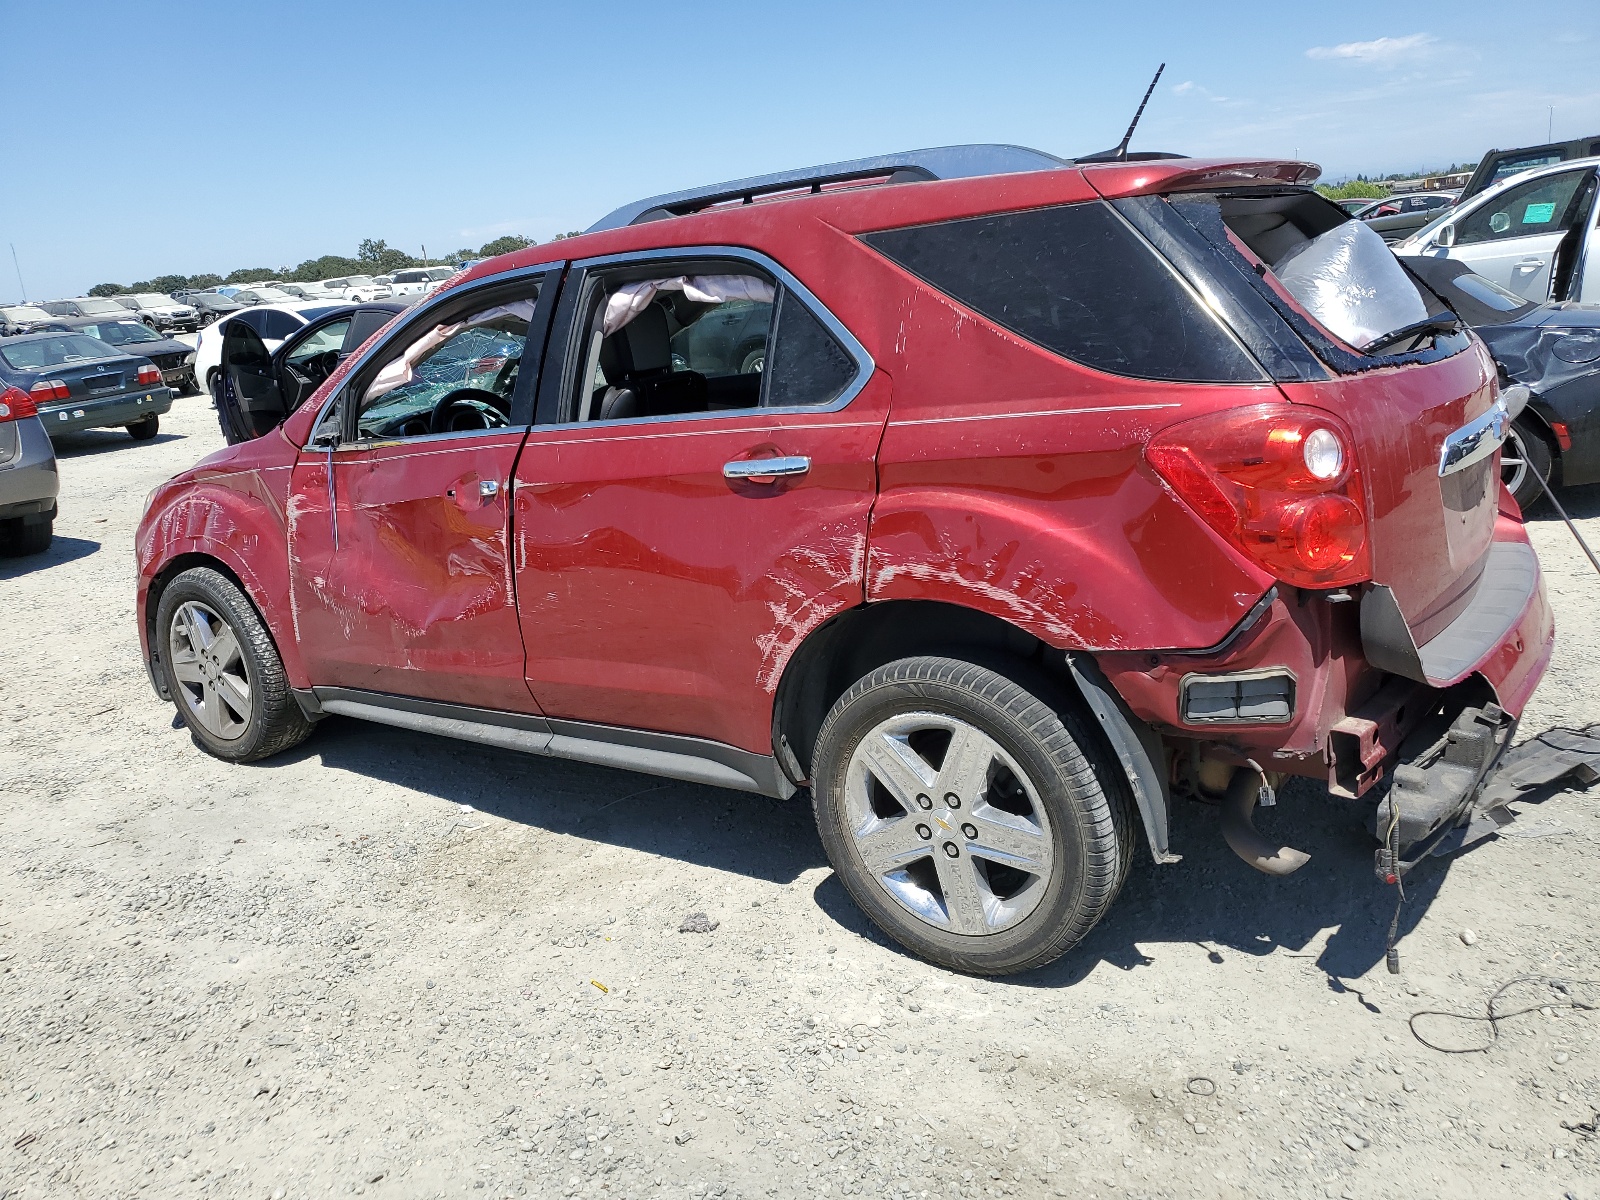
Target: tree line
x,y
373,257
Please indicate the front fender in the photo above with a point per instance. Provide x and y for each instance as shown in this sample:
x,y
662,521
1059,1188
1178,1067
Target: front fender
x,y
238,520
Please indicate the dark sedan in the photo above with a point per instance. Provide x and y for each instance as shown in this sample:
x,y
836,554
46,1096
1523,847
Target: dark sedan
x,y
78,382
175,359
1552,349
211,305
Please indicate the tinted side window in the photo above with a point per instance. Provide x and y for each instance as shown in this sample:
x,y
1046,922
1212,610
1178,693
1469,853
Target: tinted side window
x,y
250,318
366,323
277,325
1079,282
808,365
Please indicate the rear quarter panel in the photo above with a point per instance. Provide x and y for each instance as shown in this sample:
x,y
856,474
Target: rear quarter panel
x,y
1013,481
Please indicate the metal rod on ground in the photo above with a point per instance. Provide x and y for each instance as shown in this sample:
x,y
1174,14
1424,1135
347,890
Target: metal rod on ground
x,y
1551,496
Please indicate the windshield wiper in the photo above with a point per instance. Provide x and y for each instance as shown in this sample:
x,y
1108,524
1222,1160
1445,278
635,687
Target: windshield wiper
x,y
1441,323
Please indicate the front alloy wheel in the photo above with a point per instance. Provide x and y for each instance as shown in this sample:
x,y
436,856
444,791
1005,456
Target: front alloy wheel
x,y
209,667
222,670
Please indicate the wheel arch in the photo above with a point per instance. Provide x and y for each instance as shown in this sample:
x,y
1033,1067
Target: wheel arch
x,y
861,639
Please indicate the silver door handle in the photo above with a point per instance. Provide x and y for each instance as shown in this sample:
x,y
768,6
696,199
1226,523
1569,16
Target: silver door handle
x,y
488,488
1530,263
766,468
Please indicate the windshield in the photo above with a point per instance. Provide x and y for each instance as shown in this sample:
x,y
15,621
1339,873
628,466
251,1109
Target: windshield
x,y
271,295
151,300
57,351
92,308
122,333
353,280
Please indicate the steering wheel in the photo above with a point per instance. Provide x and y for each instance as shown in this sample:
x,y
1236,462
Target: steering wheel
x,y
490,410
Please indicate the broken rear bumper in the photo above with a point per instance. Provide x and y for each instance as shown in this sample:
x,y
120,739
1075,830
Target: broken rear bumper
x,y
1357,685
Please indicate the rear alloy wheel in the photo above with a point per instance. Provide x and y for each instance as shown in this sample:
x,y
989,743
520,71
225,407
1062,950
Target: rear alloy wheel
x,y
222,670
1524,461
975,824
143,431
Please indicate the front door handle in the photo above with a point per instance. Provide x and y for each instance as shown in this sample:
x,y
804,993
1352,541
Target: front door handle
x,y
1530,264
765,470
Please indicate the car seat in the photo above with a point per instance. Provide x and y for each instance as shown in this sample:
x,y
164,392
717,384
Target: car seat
x,y
637,361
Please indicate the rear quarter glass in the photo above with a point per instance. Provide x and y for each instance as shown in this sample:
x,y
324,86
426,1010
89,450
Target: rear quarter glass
x,y
1079,281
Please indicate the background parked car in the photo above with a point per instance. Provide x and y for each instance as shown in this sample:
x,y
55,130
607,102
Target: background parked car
x,y
307,291
259,387
416,281
1502,164
1532,233
357,288
1395,217
211,305
79,382
1553,349
161,312
84,306
263,295
273,324
21,318
28,478
174,358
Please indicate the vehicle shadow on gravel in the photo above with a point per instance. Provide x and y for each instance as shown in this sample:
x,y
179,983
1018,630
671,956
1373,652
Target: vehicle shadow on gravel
x,y
62,550
1581,503
101,441
1213,900
754,836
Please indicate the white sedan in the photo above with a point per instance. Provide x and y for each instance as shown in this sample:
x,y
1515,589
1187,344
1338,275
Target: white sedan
x,y
273,322
1532,233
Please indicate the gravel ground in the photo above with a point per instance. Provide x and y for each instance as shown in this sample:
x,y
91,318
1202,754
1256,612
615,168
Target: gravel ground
x,y
392,964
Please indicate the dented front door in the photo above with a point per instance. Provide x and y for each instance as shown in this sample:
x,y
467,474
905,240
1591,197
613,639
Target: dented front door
x,y
400,575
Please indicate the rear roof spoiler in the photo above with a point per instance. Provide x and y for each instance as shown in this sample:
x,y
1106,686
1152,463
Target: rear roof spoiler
x,y
938,162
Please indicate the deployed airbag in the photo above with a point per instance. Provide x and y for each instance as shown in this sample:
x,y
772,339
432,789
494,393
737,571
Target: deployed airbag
x,y
1351,282
631,299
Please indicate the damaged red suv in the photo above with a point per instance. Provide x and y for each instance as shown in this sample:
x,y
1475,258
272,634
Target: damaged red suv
x,y
992,497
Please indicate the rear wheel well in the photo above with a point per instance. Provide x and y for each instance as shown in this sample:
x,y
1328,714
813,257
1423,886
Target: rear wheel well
x,y
859,641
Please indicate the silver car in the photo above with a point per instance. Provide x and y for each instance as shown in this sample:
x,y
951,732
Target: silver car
x,y
28,479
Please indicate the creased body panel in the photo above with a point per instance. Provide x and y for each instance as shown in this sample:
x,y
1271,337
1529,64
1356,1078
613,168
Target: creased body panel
x,y
1013,481
231,507
658,594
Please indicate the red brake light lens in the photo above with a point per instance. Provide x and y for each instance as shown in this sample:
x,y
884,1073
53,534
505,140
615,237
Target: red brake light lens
x,y
47,390
1277,481
149,373
15,404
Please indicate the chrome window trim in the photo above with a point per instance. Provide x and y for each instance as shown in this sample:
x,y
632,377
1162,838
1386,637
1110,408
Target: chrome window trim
x,y
865,366
416,314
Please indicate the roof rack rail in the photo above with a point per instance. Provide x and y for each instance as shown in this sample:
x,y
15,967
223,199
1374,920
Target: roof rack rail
x,y
938,162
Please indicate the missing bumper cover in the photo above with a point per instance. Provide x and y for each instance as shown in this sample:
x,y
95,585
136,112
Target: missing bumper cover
x,y
1244,698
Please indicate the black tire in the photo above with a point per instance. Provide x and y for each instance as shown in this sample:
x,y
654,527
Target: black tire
x,y
1526,445
1090,814
19,536
276,723
143,431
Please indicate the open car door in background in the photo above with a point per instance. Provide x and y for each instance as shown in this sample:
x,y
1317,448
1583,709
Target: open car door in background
x,y
250,402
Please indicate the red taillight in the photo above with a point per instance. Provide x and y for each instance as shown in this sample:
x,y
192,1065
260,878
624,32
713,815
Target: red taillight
x,y
1280,483
47,390
149,373
16,404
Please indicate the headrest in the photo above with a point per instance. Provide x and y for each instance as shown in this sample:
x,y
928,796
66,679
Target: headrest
x,y
643,344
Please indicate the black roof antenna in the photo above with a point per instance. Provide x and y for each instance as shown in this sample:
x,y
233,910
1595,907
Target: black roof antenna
x,y
1120,154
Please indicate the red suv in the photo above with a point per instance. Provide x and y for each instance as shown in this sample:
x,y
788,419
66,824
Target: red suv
x,y
993,498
